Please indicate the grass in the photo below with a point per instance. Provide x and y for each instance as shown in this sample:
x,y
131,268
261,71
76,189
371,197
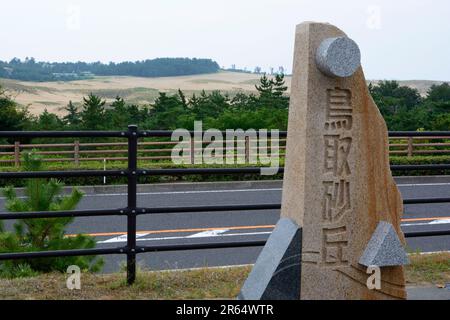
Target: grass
x,y
196,284
201,81
212,283
48,103
150,164
429,269
120,165
95,164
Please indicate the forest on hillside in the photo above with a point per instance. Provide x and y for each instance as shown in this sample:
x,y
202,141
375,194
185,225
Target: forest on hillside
x,y
31,70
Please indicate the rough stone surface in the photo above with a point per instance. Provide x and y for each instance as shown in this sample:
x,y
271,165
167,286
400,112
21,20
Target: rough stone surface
x,y
338,57
384,248
337,183
276,274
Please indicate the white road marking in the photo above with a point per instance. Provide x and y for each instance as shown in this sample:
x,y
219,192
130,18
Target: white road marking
x,y
434,222
208,233
430,252
124,194
445,221
197,235
226,191
122,238
183,192
423,184
239,190
221,233
415,224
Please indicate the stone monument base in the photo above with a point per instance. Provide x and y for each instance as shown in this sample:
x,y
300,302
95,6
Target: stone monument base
x,y
276,274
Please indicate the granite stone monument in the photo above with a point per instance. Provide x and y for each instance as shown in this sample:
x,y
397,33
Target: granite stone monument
x,y
338,188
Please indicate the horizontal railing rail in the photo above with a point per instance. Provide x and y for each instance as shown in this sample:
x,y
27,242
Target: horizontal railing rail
x,y
401,143
131,211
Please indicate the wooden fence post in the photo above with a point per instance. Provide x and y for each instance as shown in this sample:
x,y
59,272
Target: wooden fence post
x,y
410,147
247,149
17,153
76,152
192,150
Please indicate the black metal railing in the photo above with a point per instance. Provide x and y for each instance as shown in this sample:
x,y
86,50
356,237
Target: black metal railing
x,y
132,173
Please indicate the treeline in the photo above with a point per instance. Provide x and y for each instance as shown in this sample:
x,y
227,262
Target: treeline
x,y
402,107
266,109
30,70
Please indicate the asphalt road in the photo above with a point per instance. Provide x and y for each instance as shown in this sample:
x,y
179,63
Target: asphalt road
x,y
230,226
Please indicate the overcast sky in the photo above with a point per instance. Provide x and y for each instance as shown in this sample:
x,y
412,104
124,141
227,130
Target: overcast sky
x,y
399,39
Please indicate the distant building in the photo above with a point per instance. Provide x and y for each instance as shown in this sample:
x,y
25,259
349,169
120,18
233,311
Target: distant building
x,y
8,70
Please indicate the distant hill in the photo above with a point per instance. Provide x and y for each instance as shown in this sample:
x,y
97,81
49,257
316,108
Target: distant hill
x,y
55,95
30,70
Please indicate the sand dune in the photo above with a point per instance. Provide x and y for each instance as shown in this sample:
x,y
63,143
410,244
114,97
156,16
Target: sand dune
x,y
53,96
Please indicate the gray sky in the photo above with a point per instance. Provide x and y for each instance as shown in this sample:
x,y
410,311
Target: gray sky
x,y
399,39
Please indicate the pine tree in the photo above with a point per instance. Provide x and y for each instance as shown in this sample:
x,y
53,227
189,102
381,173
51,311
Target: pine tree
x,y
266,86
43,234
11,117
281,101
182,98
271,93
72,118
49,121
93,113
119,114
164,112
279,86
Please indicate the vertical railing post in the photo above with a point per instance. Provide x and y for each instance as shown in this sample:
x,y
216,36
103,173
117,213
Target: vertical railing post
x,y
247,149
17,153
76,152
192,152
410,147
132,203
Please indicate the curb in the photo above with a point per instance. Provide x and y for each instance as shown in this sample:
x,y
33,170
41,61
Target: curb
x,y
168,187
428,293
202,186
426,179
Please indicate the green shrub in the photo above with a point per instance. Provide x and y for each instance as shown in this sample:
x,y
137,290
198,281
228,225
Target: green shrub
x,y
116,165
420,160
44,234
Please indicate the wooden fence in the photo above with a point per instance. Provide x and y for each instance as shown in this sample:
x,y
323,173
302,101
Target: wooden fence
x,y
411,146
76,152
